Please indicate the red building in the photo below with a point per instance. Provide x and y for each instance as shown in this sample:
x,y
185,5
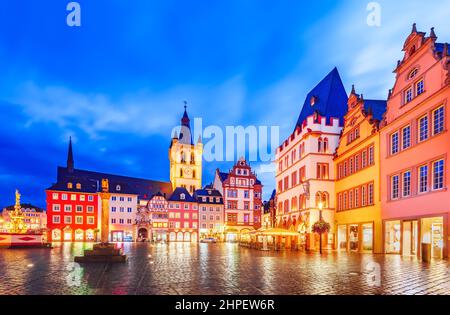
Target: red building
x,y
242,192
183,216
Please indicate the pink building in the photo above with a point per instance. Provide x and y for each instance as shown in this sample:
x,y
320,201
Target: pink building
x,y
415,147
183,216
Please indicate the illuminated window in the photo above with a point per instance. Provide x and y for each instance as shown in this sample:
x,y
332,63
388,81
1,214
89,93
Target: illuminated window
x,y
56,208
55,196
67,208
69,185
67,219
90,220
78,186
79,220
73,197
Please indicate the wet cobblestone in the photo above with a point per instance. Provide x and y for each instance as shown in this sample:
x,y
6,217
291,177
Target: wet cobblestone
x,y
195,269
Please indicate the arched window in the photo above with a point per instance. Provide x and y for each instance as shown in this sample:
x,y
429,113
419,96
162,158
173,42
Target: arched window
x,y
118,187
325,199
319,145
69,185
294,204
286,206
182,157
192,158
413,73
318,198
325,145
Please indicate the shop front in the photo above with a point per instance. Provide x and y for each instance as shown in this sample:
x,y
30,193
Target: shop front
x,y
357,237
405,236
121,236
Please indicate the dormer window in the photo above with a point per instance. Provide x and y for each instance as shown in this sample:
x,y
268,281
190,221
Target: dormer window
x,y
182,196
118,187
69,185
78,186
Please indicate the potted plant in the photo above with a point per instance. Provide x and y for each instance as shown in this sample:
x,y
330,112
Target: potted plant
x,y
321,227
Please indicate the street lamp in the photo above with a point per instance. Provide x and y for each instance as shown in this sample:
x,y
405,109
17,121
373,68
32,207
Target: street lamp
x,y
320,205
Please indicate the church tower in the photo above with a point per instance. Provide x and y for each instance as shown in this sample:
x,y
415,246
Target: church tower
x,y
185,157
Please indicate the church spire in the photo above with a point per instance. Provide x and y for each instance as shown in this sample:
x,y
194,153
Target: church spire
x,y
70,164
185,130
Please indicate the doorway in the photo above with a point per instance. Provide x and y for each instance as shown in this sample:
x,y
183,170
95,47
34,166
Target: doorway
x,y
410,237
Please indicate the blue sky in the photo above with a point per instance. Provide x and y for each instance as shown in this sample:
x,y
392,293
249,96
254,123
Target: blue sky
x,y
117,83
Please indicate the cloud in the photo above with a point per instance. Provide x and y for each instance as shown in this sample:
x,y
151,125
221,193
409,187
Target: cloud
x,y
142,113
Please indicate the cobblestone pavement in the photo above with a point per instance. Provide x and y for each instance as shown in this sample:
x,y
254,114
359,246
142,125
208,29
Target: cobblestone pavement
x,y
216,269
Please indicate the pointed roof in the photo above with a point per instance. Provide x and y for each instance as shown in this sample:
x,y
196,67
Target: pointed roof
x,y
70,163
185,130
328,99
376,107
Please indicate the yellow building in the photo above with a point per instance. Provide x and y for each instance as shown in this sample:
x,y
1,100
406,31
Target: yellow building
x,y
357,164
185,158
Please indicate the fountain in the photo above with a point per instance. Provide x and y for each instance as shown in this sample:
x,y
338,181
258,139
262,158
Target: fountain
x,y
17,233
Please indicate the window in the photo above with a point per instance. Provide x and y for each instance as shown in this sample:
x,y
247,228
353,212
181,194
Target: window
x,y
121,198
408,95
394,187
356,197
69,185
73,197
186,215
129,210
128,221
423,128
363,196
90,209
67,208
113,221
78,219
423,178
121,221
350,166
246,194
438,120
64,196
82,197
419,87
67,219
413,73
356,163
55,196
350,199
79,209
345,169
371,156
293,179
90,198
370,194
345,201
182,196
129,199
90,220
56,208
394,143
438,174
339,202
325,145
78,186
56,219
406,137
118,188
113,209
364,159
407,184
322,171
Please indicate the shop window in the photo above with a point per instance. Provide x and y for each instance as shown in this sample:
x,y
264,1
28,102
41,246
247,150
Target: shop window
x,y
392,237
56,235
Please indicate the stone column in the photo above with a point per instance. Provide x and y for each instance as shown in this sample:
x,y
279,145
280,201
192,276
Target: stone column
x,y
105,195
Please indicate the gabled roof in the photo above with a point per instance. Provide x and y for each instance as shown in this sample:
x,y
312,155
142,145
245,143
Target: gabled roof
x,y
91,182
376,107
223,176
330,99
176,195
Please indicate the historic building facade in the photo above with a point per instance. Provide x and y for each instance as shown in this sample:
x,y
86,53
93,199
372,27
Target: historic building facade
x,y
185,158
183,216
357,166
305,170
242,194
35,218
415,147
158,208
211,212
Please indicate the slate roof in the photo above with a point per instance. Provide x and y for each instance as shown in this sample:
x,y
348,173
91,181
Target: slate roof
x,y
199,193
377,107
223,176
330,99
176,195
91,182
440,48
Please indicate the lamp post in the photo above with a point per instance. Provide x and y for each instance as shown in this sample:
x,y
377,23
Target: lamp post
x,y
320,220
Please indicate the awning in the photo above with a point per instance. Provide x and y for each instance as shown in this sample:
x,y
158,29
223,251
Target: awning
x,y
279,232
